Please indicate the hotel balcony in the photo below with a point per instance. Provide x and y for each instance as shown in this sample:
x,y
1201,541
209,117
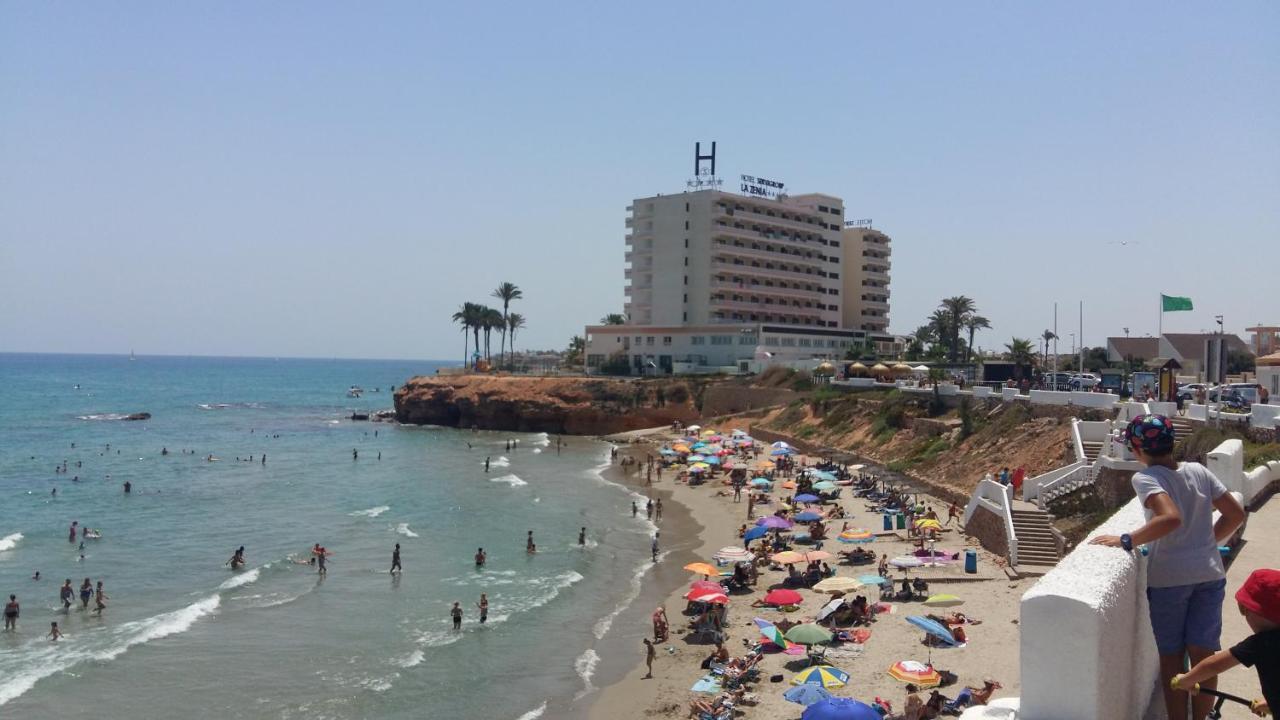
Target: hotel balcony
x,y
781,235
748,213
775,308
721,264
771,290
882,305
773,256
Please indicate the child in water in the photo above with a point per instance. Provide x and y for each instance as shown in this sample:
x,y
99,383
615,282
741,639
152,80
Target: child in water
x,y
54,632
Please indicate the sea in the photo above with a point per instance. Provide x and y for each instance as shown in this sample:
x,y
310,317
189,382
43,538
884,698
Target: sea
x,y
184,636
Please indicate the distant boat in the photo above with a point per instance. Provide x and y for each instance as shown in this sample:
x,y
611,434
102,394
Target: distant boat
x,y
354,392
131,356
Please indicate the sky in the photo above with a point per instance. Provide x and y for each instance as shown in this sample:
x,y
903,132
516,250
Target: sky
x,y
334,179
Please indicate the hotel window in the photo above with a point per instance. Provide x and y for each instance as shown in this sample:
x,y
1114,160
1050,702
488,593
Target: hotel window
x,y
666,339
806,342
721,339
639,339
686,224
698,339
686,207
648,340
686,261
788,342
686,279
771,342
834,276
686,297
746,339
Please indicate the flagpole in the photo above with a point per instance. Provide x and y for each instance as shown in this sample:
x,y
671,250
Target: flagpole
x,y
1160,323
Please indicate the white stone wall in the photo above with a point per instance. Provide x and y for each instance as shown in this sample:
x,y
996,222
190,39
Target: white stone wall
x,y
1087,652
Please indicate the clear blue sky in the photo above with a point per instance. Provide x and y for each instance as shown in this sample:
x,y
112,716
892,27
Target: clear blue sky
x,y
333,179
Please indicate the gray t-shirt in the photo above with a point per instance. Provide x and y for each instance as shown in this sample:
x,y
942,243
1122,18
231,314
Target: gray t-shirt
x,y
1188,555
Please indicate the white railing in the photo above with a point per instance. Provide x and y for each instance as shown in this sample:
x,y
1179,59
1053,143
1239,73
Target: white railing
x,y
1083,476
998,499
1077,442
1033,489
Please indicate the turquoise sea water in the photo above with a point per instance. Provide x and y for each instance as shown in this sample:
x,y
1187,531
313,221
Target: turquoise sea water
x,y
183,636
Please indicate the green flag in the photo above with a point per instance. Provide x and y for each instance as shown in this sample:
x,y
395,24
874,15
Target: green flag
x,y
1173,303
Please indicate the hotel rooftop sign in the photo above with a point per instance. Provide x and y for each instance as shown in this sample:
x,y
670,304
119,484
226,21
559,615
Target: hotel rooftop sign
x,y
760,187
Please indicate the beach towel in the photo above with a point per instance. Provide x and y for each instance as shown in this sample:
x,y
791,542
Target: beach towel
x,y
707,684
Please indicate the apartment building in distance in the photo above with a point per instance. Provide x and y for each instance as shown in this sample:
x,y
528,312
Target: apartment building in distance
x,y
717,281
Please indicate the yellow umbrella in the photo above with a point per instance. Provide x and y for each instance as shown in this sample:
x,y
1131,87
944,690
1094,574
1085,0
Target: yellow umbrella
x,y
880,368
701,568
943,601
837,584
702,465
858,368
708,432
787,557
928,524
902,368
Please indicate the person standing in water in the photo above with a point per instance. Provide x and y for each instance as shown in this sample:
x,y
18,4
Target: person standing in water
x,y
484,608
486,464
54,632
480,557
100,599
128,487
657,510
237,559
86,593
355,454
75,524
395,560
654,547
582,536
634,508
456,613
528,543
11,614
67,594
320,561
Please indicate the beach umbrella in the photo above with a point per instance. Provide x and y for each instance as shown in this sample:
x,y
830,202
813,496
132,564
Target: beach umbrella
x,y
782,451
789,484
666,451
712,460
761,482
857,369
822,475
824,486
716,598
771,633
805,694
921,368
764,464
773,522
701,568
806,498
698,469
816,555
934,628
902,368
943,600
782,596
809,634
928,524
906,561
879,368
872,580
915,672
856,535
829,608
839,708
682,448
705,585
780,444
755,533
732,554
837,584
787,557
821,675
808,516
696,457
736,432
693,428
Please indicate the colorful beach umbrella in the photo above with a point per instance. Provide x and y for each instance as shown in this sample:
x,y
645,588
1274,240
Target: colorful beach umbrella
x,y
771,633
701,568
837,584
789,484
787,557
943,600
915,672
666,451
839,708
711,460
934,628
706,596
705,585
807,498
809,634
696,458
805,694
822,676
782,596
781,451
780,444
755,533
856,535
761,482
928,524
732,554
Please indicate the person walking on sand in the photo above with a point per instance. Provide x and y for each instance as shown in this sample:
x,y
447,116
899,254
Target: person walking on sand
x,y
86,593
953,513
456,614
67,594
649,655
395,560
11,614
661,626
484,608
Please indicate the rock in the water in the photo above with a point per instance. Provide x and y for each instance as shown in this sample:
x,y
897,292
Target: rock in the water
x,y
138,416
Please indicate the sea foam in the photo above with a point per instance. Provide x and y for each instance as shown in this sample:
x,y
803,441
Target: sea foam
x,y
9,542
240,579
512,480
585,666
372,512
403,529
535,713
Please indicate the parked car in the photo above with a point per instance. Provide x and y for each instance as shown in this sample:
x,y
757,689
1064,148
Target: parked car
x,y
1057,381
1188,392
1230,397
1084,381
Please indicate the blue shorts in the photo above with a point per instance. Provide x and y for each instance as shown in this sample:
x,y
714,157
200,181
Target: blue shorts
x,y
1187,615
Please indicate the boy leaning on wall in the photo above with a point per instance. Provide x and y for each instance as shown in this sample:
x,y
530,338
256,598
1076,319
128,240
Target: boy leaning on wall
x,y
1186,581
1259,602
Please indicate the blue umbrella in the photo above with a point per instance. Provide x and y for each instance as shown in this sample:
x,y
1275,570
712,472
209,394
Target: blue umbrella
x,y
808,516
756,532
667,451
761,482
782,451
806,694
934,628
806,498
822,475
839,708
872,580
711,460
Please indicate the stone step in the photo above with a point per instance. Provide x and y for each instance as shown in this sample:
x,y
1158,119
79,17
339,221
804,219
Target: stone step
x,y
1037,557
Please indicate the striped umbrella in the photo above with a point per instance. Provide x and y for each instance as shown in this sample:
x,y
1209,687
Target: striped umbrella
x,y
856,535
915,672
708,596
821,675
771,633
837,584
732,554
787,557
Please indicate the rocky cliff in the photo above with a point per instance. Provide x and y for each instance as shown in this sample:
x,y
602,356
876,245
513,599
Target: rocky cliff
x,y
572,406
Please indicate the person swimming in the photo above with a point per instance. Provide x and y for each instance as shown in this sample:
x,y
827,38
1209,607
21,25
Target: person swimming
x,y
237,559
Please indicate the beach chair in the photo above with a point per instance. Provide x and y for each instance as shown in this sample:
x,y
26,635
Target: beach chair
x,y
816,654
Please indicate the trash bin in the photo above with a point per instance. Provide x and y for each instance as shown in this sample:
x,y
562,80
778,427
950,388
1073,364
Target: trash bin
x,y
902,521
971,561
888,521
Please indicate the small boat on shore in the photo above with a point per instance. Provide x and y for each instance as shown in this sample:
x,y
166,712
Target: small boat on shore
x,y
354,392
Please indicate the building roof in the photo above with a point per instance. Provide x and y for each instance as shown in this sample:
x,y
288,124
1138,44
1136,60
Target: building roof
x,y
1272,360
1191,345
1143,348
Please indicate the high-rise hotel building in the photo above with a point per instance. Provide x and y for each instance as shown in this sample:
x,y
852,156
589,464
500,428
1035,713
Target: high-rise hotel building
x,y
717,280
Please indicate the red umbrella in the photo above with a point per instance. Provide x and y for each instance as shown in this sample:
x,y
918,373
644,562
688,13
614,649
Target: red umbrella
x,y
783,596
706,585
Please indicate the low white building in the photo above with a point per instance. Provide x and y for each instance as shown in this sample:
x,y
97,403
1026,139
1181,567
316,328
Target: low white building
x,y
1268,370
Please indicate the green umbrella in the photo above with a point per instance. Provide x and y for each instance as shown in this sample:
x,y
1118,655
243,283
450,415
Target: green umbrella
x,y
809,634
824,486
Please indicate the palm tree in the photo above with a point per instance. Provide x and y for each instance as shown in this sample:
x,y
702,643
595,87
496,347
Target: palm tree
x,y
940,325
1022,353
1047,335
490,320
971,323
506,292
613,319
957,309
463,317
515,321
573,356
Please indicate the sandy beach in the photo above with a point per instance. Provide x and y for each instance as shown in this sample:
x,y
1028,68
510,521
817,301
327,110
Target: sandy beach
x,y
989,596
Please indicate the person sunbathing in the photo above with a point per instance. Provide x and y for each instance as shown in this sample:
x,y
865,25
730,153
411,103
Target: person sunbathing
x,y
982,696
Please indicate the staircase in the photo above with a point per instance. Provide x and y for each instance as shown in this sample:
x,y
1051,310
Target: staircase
x,y
1037,544
1083,477
1092,450
1182,428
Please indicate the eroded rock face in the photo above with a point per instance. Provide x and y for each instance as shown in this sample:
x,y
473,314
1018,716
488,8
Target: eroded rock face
x,y
572,406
